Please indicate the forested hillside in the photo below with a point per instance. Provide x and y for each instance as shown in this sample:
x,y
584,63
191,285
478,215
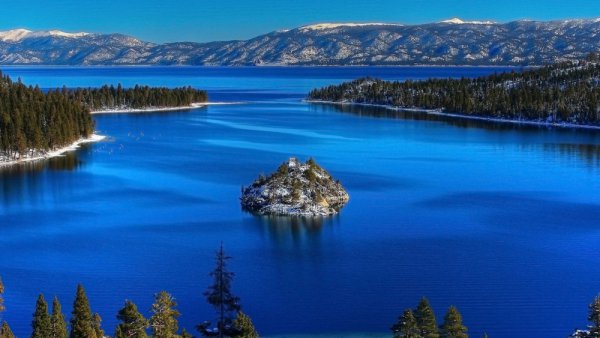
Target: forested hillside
x,y
33,121
110,97
565,92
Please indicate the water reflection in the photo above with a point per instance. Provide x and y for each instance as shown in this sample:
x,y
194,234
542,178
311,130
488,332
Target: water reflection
x,y
589,153
382,112
23,182
295,229
568,143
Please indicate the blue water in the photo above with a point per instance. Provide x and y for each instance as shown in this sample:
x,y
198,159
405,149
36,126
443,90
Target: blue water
x,y
501,221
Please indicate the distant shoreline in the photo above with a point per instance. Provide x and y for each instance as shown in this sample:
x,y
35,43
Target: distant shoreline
x,y
53,153
439,112
146,110
197,105
28,65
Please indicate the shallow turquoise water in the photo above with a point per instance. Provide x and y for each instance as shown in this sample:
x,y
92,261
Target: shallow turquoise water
x,y
501,221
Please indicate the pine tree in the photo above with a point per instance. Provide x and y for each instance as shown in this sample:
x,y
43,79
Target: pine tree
x,y
41,319
426,320
5,331
453,326
220,297
97,323
58,325
406,327
244,323
82,321
133,324
185,334
164,316
2,308
594,318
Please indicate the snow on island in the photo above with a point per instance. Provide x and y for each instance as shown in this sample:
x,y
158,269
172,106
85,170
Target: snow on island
x,y
295,189
36,155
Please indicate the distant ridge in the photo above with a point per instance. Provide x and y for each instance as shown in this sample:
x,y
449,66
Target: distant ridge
x,y
449,42
21,34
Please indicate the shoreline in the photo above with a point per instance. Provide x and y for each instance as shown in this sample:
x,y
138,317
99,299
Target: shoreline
x,y
439,112
192,106
263,65
55,153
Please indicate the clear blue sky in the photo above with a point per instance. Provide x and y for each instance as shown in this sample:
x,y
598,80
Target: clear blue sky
x,y
208,20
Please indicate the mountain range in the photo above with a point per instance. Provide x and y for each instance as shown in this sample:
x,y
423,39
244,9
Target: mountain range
x,y
450,42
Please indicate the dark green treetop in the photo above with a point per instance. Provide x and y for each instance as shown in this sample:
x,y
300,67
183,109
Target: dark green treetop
x,y
41,323
453,326
220,297
133,324
2,308
5,331
97,324
594,318
82,320
406,326
164,316
426,320
244,323
58,325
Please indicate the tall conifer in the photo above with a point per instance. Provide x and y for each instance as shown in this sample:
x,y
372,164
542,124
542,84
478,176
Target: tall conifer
x,y
82,321
57,321
244,323
41,319
97,324
219,295
453,326
133,324
594,318
5,331
406,327
426,320
164,316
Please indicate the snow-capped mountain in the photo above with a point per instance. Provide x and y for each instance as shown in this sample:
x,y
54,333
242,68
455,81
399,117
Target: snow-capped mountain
x,y
453,41
16,35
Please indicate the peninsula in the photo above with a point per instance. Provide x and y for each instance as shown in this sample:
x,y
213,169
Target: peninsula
x,y
563,94
36,124
295,189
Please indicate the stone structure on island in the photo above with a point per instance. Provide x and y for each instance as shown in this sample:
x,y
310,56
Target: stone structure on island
x,y
295,189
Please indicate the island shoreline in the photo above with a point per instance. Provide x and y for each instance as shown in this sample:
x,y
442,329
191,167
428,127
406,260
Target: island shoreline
x,y
440,112
56,152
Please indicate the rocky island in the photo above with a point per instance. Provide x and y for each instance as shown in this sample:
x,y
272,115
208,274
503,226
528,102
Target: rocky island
x,y
295,189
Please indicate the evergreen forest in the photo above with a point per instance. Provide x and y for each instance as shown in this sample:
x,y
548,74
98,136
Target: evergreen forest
x,y
34,121
566,92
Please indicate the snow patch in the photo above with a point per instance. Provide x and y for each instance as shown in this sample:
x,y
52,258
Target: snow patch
x,y
16,35
323,26
41,155
458,21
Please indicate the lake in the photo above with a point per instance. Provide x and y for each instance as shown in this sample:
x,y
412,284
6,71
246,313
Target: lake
x,y
500,220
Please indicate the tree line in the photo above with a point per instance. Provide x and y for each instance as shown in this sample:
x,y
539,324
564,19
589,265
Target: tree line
x,y
34,121
231,321
563,92
110,97
162,323
421,323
